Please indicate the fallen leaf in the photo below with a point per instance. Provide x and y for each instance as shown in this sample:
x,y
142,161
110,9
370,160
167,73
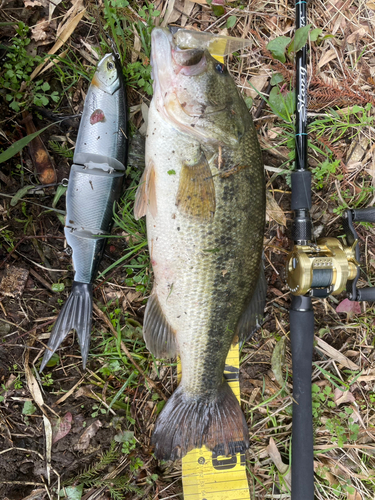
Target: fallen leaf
x,y
327,57
256,83
273,210
342,397
61,427
64,36
278,362
38,32
350,307
84,440
36,3
360,33
333,353
275,456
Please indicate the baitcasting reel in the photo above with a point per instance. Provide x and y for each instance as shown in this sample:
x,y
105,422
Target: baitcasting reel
x,y
328,266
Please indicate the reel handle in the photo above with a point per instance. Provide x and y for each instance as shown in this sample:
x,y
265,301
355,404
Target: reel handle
x,y
366,294
364,215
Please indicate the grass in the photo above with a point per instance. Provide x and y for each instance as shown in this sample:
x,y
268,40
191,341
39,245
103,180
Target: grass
x,y
338,118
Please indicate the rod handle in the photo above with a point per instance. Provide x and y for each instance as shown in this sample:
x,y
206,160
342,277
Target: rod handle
x,y
302,338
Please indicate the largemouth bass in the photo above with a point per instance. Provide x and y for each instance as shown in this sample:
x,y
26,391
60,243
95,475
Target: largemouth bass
x,y
95,183
203,194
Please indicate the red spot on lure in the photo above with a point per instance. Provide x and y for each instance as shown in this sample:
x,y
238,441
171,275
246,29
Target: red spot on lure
x,y
97,116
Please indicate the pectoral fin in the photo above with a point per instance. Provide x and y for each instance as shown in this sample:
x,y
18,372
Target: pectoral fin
x,y
196,190
146,193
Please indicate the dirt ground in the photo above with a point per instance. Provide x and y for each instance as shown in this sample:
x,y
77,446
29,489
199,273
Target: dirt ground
x,y
86,434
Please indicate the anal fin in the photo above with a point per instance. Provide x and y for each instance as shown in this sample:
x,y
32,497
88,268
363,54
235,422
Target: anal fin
x,y
159,336
252,317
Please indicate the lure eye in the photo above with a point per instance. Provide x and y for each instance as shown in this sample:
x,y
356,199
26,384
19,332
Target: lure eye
x,y
110,66
220,68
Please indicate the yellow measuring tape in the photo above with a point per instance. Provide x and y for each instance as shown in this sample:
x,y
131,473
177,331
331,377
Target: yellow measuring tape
x,y
207,475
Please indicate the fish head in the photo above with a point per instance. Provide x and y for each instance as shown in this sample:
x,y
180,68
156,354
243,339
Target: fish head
x,y
195,92
107,74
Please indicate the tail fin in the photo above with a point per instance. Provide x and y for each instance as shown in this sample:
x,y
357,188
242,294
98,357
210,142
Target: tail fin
x,y
76,314
187,423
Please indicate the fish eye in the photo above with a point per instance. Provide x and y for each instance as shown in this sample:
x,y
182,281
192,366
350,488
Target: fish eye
x,y
220,68
110,66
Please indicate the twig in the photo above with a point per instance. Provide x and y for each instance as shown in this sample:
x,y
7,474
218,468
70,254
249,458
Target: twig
x,y
104,318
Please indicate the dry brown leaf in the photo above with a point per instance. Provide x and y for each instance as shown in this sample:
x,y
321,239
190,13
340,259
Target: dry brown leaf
x,y
36,3
325,474
188,7
137,46
327,57
65,35
258,82
342,397
275,456
370,5
333,353
38,32
360,33
273,210
84,440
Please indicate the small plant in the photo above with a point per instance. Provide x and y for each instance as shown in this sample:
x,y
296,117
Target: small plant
x,y
15,80
118,487
61,149
323,171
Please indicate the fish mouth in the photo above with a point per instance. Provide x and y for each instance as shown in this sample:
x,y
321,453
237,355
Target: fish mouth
x,y
171,69
167,59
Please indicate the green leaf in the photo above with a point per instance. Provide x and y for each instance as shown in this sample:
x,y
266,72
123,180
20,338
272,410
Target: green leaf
x,y
15,106
218,10
124,437
276,78
58,287
231,21
45,86
28,408
300,38
19,145
277,47
171,172
53,361
19,195
248,101
277,103
72,492
315,33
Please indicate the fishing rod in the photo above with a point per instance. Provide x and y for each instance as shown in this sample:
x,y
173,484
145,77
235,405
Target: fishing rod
x,y
313,269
